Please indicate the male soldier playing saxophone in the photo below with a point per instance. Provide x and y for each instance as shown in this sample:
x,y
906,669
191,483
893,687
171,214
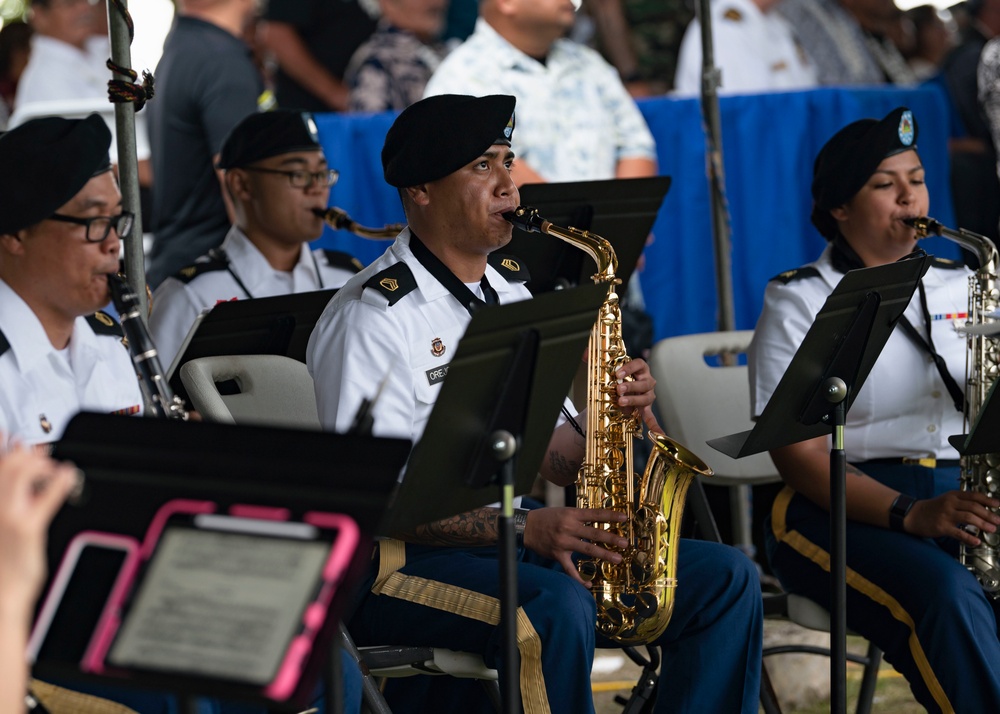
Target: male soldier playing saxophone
x,y
277,177
449,155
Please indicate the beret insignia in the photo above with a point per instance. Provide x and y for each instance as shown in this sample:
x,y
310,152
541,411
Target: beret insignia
x,y
906,128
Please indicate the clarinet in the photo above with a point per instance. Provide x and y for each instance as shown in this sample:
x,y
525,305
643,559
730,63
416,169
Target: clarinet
x,y
162,401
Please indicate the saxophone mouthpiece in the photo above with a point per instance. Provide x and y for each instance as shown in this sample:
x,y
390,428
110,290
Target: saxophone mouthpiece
x,y
526,218
924,226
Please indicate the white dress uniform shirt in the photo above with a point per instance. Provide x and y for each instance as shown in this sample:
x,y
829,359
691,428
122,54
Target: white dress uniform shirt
x,y
58,70
41,388
62,80
179,300
756,51
360,339
903,408
575,120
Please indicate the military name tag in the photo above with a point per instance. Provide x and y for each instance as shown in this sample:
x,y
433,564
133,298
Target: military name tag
x,y
437,374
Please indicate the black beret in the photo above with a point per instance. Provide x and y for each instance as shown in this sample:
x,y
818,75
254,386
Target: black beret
x,y
851,156
262,135
439,135
45,162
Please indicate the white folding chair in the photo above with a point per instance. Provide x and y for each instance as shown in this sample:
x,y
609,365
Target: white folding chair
x,y
699,400
278,391
252,389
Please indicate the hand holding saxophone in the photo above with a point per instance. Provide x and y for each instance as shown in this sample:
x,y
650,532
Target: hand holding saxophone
x,y
635,391
557,533
955,514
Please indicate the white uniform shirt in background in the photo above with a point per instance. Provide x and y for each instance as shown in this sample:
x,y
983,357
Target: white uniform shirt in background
x,y
756,52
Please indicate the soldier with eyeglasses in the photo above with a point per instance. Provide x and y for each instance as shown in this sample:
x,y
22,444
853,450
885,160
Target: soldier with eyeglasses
x,y
278,178
61,223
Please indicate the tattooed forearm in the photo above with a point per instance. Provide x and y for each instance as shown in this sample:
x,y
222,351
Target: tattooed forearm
x,y
478,527
854,470
562,468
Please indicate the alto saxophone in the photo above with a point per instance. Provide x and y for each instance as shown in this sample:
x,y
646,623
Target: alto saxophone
x,y
635,598
980,472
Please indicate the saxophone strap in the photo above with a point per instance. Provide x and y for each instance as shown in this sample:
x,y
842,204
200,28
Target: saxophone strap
x,y
928,344
451,281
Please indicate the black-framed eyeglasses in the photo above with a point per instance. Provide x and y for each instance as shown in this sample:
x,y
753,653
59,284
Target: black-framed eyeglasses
x,y
98,227
301,178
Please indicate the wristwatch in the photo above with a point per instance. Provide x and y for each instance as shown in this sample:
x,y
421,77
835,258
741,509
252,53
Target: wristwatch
x,y
897,512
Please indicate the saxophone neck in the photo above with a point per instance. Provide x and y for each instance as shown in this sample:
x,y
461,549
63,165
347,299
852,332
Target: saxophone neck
x,y
981,246
338,219
597,247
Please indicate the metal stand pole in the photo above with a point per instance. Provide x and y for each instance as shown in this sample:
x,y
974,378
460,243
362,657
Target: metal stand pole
x,y
837,394
504,448
128,163
711,78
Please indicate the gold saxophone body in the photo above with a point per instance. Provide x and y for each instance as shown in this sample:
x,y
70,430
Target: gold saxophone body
x,y
635,598
338,219
980,472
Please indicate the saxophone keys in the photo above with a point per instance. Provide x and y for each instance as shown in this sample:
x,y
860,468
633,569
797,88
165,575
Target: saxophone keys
x,y
646,604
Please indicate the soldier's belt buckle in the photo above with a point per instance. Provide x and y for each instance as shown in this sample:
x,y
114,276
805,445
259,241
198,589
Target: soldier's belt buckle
x,y
926,462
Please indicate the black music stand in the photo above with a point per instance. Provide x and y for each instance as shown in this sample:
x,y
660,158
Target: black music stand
x,y
621,210
278,325
491,424
984,434
813,398
134,465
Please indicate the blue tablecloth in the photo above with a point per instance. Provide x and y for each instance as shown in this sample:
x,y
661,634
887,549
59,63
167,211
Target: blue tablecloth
x,y
769,142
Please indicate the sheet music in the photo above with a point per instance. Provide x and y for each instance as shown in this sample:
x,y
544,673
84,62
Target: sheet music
x,y
220,604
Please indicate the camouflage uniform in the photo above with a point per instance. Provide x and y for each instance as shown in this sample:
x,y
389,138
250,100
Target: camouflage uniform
x,y
656,29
